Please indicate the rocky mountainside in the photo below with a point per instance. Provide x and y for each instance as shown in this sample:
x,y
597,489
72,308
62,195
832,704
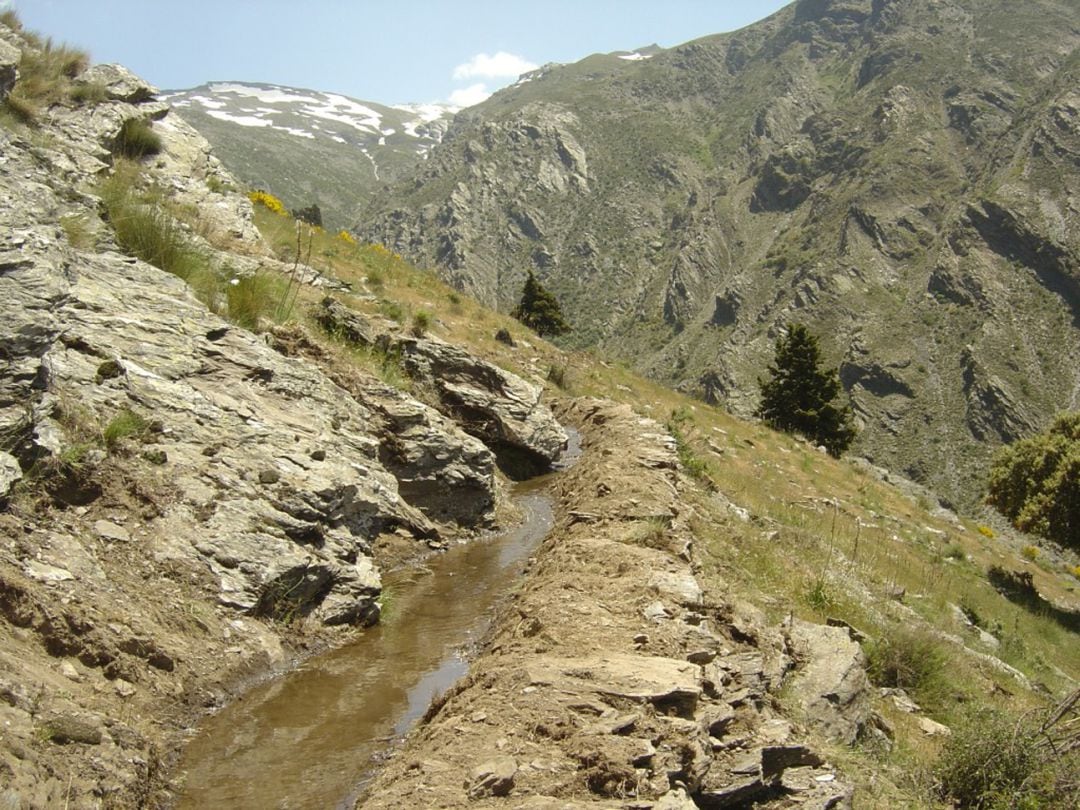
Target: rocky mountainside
x,y
307,146
179,493
899,176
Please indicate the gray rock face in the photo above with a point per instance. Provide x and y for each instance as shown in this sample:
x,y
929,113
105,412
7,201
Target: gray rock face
x,y
501,409
278,473
830,685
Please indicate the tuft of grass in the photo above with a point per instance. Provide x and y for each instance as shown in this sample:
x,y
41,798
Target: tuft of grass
x,y
126,424
421,322
255,299
89,93
45,78
911,659
1030,553
136,139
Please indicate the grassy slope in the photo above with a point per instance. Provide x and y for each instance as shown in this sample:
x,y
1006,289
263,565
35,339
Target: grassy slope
x,y
782,524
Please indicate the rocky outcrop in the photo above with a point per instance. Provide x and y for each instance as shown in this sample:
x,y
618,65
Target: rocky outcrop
x,y
180,496
499,408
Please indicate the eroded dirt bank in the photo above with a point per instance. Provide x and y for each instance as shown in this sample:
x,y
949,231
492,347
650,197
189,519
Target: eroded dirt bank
x,y
612,679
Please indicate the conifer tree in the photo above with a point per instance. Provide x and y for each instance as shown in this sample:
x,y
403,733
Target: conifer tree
x,y
798,396
539,310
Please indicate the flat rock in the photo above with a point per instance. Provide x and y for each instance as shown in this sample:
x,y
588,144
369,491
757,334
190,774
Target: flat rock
x,y
639,678
682,587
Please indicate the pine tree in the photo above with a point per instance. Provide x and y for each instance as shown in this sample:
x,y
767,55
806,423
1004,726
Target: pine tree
x,y
798,396
539,310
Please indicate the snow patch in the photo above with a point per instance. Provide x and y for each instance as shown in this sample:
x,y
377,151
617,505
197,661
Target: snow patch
x,y
267,95
242,120
635,57
300,133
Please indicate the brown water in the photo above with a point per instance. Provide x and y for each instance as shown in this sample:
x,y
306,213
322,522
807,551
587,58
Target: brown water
x,y
311,738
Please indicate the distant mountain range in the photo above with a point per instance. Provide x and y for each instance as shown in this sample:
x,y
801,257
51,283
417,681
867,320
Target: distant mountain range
x,y
307,146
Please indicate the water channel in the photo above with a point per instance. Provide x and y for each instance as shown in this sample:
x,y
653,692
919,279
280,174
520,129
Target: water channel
x,y
310,739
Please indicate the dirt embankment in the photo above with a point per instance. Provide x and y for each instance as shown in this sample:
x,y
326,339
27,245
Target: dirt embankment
x,y
611,679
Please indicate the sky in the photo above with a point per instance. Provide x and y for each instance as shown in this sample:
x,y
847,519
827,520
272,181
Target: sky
x,y
409,51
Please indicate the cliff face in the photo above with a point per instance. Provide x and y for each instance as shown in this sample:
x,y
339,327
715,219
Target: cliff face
x,y
179,496
900,176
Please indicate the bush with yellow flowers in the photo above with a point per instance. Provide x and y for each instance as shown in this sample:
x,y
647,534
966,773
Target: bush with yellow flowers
x,y
267,200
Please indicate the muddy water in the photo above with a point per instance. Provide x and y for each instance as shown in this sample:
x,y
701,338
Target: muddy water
x,y
310,738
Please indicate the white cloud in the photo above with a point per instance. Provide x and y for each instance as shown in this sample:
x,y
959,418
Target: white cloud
x,y
467,96
502,65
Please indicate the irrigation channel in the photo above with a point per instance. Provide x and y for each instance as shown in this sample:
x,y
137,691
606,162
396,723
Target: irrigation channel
x,y
312,738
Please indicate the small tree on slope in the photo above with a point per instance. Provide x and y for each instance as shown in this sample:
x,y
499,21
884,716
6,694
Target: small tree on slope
x,y
798,396
539,310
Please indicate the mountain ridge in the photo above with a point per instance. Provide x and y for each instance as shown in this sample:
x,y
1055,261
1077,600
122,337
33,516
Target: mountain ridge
x,y
870,168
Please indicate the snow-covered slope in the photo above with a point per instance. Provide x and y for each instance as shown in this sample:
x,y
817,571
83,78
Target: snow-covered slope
x,y
307,146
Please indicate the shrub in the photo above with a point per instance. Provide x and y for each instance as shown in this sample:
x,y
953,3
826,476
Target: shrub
x,y
994,761
254,299
267,201
346,237
985,531
1035,482
798,396
1030,553
421,322
910,659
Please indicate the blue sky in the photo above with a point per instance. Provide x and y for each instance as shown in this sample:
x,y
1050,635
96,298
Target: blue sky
x,y
388,52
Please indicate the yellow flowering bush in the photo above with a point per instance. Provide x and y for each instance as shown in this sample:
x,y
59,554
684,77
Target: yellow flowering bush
x,y
267,200
346,237
986,531
1029,553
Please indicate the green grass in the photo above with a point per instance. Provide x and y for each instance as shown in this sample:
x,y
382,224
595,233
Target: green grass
x,y
136,139
125,425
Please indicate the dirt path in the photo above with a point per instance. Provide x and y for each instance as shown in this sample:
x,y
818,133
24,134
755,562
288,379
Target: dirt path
x,y
611,678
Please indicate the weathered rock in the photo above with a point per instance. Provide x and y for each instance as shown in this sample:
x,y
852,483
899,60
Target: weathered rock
x,y
120,83
830,684
662,681
493,778
64,729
